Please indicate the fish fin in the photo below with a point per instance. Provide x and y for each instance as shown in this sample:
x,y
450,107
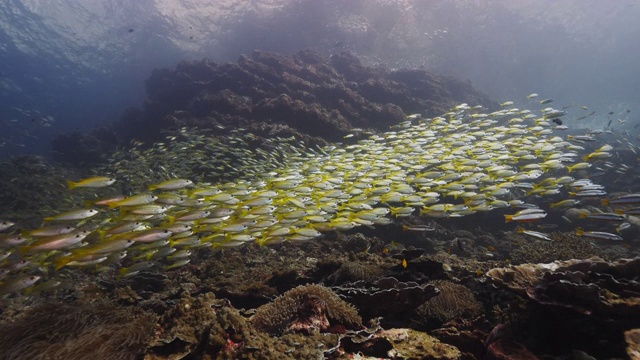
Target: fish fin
x,y
152,187
71,185
508,218
579,231
620,212
605,202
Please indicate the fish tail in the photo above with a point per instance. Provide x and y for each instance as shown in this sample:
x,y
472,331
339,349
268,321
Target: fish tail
x,y
579,231
152,187
620,212
61,262
583,215
605,202
520,229
508,218
171,219
71,185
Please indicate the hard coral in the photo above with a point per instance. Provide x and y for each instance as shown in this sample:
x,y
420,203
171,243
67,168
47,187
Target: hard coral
x,y
454,301
588,286
395,301
63,331
306,308
564,247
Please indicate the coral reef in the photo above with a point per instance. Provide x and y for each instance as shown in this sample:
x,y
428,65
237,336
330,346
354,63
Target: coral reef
x,y
306,308
77,331
387,297
206,327
587,286
565,246
454,301
601,296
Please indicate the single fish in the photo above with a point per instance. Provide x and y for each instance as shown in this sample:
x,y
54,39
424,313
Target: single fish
x,y
598,235
18,283
526,217
56,242
603,216
50,230
140,199
179,263
418,228
92,182
173,184
78,214
534,234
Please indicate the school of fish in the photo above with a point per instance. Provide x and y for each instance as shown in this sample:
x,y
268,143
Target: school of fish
x,y
454,165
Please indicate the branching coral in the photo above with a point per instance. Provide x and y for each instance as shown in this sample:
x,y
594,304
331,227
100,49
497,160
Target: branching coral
x,y
306,308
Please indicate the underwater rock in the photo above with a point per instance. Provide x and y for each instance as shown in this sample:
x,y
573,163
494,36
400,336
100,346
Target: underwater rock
x,y
412,344
466,337
398,343
632,337
591,286
387,297
306,309
98,331
315,95
507,349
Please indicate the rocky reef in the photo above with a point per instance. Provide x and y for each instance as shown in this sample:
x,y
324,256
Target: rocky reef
x,y
304,94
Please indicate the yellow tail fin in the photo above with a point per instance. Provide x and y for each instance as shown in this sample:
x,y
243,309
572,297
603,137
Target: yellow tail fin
x,y
71,185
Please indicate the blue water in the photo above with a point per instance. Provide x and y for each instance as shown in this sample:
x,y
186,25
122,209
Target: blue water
x,y
73,65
